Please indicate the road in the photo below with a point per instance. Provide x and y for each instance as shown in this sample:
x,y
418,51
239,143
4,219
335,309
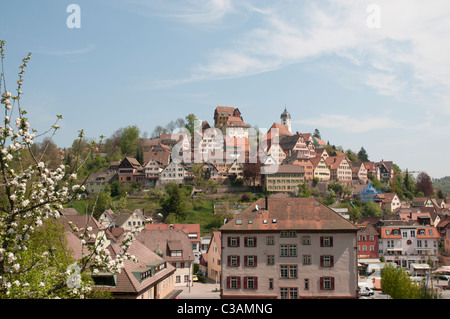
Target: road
x,y
208,291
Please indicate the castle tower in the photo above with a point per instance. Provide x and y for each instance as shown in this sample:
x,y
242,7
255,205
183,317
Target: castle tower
x,y
286,119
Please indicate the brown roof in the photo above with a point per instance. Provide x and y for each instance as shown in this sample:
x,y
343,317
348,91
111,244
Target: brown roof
x,y
187,228
234,121
334,161
291,168
155,238
289,213
127,282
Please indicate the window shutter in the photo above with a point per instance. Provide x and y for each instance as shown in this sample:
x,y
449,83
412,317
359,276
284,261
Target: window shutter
x,y
245,283
332,283
331,241
228,282
245,241
255,280
229,241
229,261
245,261
321,241
331,261
254,241
321,283
238,282
255,261
238,261
237,241
321,261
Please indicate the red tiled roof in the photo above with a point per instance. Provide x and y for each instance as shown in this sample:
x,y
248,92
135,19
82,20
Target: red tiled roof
x,y
289,214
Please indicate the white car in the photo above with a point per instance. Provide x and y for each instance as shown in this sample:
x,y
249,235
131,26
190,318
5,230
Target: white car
x,y
365,291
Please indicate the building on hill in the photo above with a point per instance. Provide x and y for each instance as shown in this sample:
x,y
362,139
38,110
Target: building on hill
x,y
97,182
320,168
286,179
130,171
297,158
388,201
222,114
289,248
359,172
340,169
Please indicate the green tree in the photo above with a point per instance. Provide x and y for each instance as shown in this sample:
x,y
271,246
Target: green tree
x,y
316,133
99,203
174,202
129,141
362,155
192,124
397,284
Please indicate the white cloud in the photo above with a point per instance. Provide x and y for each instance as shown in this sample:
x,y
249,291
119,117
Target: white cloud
x,y
84,50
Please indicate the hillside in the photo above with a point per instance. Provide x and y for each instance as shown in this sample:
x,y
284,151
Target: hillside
x,y
443,184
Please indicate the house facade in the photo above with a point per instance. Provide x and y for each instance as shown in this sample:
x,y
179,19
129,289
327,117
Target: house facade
x,y
214,257
340,169
289,248
130,171
321,169
405,243
286,179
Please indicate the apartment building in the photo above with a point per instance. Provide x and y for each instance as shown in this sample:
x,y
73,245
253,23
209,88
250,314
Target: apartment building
x,y
404,243
289,248
286,179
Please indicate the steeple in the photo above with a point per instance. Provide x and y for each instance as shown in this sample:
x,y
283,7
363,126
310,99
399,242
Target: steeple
x,y
286,119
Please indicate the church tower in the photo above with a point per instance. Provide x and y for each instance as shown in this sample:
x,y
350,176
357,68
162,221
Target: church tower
x,y
286,119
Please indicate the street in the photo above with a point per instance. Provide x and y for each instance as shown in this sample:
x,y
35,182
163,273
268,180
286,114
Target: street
x,y
208,291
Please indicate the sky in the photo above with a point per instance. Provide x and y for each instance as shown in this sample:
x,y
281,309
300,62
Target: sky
x,y
372,74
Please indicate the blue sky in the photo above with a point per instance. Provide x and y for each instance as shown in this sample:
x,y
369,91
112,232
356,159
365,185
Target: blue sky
x,y
373,76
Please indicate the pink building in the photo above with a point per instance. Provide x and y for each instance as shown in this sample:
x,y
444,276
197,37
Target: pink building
x,y
289,248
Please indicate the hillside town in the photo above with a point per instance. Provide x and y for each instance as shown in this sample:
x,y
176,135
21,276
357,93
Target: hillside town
x,y
286,243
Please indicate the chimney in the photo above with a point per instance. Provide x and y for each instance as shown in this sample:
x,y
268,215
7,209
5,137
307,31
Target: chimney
x,y
267,203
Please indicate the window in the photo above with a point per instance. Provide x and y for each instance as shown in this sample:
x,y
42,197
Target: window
x,y
233,241
270,259
288,250
326,261
270,240
306,259
326,283
233,261
250,261
288,271
270,283
233,282
306,240
250,241
326,241
288,293
421,231
250,282
306,284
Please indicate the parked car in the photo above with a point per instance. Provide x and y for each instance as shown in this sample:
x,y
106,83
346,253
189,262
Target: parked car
x,y
194,278
365,291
